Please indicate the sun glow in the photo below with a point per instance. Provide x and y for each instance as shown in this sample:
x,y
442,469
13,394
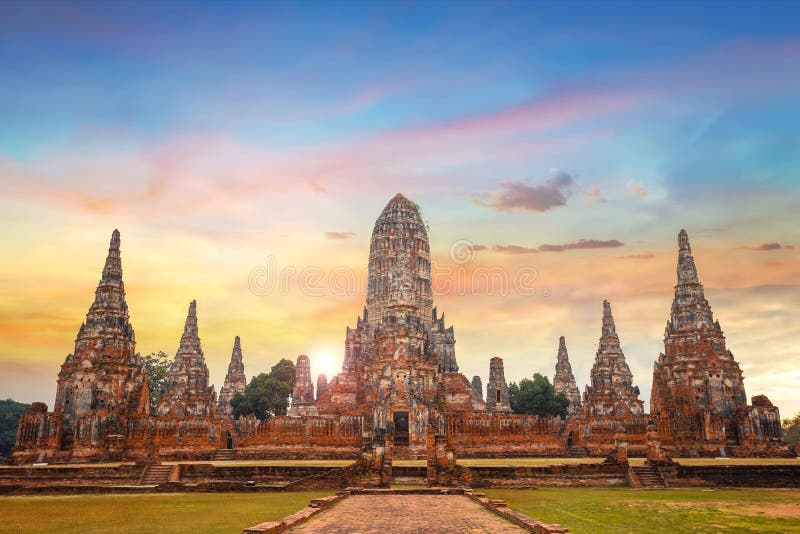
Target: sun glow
x,y
323,360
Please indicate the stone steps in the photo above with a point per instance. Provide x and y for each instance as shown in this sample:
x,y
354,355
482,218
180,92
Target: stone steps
x,y
222,455
155,474
577,452
649,476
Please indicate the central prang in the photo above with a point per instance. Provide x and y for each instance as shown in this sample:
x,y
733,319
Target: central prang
x,y
399,355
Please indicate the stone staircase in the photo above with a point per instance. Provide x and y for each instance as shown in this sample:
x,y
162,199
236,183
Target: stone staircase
x,y
222,455
576,452
156,474
649,476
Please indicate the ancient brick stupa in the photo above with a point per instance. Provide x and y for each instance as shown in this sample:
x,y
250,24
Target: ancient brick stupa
x,y
612,392
564,381
235,380
187,392
696,381
104,380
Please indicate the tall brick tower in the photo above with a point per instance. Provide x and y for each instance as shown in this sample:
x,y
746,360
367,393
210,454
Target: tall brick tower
x,y
399,282
696,381
564,381
104,374
187,392
612,392
235,380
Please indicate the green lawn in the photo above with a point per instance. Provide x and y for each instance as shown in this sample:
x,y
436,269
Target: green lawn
x,y
145,513
595,510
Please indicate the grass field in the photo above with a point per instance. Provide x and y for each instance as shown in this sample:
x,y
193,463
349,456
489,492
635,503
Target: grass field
x,y
595,510
148,513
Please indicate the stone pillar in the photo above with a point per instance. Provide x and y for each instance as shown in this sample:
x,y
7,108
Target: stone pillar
x,y
621,440
477,385
497,389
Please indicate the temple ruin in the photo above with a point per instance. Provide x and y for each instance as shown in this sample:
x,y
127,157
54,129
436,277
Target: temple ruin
x,y
400,393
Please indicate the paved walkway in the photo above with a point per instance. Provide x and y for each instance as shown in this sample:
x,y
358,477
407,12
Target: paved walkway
x,y
384,514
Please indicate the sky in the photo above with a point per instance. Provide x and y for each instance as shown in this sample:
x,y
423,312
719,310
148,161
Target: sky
x,y
244,152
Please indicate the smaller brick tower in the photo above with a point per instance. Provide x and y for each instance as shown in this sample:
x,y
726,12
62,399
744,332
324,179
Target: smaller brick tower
x,y
497,389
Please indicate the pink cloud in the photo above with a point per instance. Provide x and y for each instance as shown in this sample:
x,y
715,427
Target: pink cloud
x,y
640,256
529,197
580,244
765,247
636,190
337,236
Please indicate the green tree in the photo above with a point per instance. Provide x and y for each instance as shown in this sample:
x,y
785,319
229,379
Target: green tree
x,y
10,412
283,371
267,394
537,397
791,430
158,366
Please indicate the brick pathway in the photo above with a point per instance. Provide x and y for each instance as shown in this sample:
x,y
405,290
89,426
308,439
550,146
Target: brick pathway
x,y
385,514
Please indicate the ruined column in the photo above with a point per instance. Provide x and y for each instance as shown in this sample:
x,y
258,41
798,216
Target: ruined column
x,y
303,389
497,389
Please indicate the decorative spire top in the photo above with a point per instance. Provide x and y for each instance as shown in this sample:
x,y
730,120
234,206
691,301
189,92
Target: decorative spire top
x,y
236,354
687,272
190,328
609,328
112,270
563,357
683,241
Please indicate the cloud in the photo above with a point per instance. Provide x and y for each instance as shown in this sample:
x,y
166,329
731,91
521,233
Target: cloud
x,y
640,256
765,247
595,196
582,244
514,249
478,248
339,235
317,189
575,245
636,190
518,195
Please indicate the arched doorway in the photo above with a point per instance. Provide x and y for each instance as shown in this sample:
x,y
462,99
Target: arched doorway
x,y
228,440
569,439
